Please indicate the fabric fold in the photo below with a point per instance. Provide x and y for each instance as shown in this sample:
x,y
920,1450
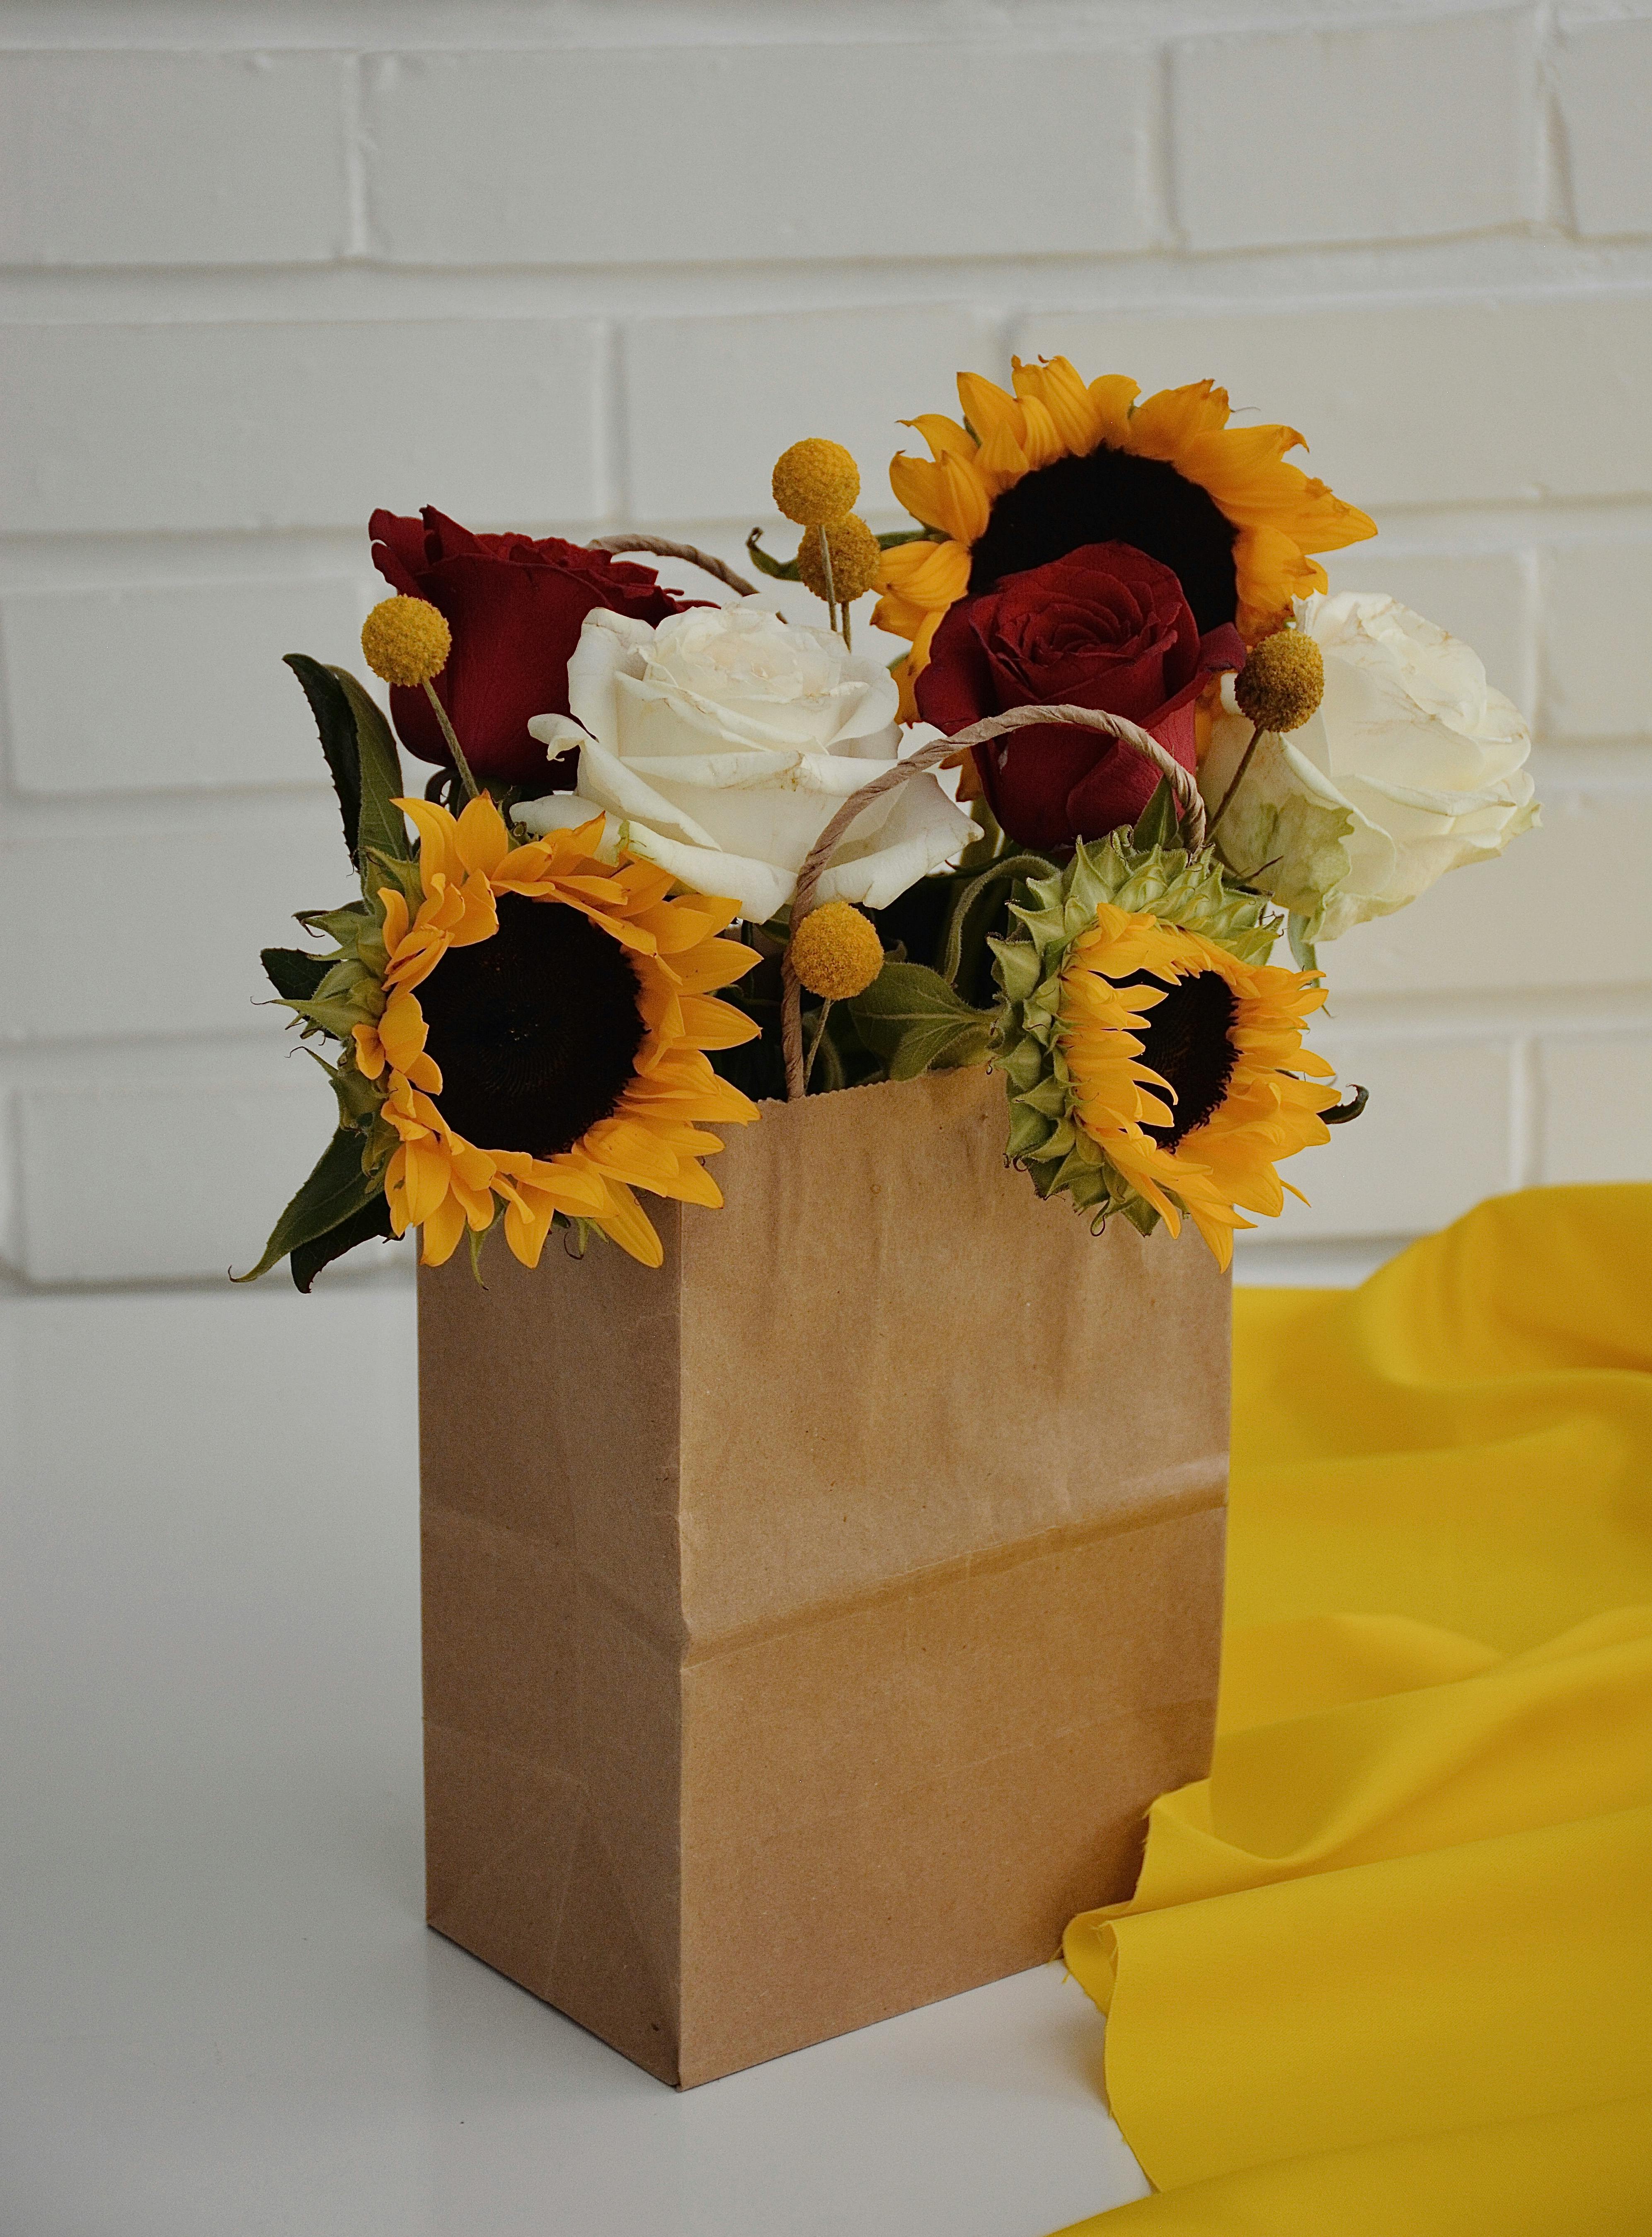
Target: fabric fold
x,y
1389,1966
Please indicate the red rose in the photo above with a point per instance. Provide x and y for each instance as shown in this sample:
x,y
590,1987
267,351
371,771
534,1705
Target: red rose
x,y
516,605
1105,627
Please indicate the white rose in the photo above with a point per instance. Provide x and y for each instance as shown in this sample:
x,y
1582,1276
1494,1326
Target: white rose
x,y
723,742
1412,765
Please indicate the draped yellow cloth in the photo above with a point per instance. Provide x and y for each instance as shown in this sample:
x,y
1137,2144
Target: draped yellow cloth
x,y
1389,1969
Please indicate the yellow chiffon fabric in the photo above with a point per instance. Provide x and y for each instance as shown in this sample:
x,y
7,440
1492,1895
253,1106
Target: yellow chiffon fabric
x,y
1389,1969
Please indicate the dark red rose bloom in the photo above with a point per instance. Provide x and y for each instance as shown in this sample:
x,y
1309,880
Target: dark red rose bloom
x,y
1105,627
516,605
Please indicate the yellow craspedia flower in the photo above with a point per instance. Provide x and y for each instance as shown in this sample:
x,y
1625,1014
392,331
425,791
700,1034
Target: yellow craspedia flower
x,y
835,951
1283,681
406,641
856,555
815,481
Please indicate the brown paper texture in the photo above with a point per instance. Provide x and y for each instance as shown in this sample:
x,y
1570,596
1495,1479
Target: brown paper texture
x,y
810,1621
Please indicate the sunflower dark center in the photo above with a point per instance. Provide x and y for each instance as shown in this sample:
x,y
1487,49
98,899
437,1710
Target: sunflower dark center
x,y
1113,497
536,1030
1187,1041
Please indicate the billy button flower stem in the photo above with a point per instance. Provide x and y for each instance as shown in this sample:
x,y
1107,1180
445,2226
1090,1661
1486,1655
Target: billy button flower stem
x,y
832,588
471,789
1279,687
406,642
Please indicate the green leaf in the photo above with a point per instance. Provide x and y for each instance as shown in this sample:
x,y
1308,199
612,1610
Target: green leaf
x,y
782,571
1304,934
975,905
913,1020
337,726
1341,1113
378,825
306,1259
1158,825
1140,1213
334,1192
1020,966
294,972
1028,1132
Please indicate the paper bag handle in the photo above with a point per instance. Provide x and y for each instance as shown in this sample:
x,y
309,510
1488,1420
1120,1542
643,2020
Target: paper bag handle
x,y
663,546
1190,806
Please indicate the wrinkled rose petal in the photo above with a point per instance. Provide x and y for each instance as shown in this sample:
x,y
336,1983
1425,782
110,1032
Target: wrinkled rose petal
x,y
516,605
1105,627
1413,766
722,743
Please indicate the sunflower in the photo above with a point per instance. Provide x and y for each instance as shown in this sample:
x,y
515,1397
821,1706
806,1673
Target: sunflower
x,y
555,1010
1154,1056
1031,477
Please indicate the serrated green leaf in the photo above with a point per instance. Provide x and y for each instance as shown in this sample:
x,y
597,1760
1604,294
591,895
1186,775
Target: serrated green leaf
x,y
336,724
915,1021
380,825
372,1222
334,1191
294,972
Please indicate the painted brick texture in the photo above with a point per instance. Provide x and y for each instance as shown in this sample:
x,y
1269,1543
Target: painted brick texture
x,y
263,269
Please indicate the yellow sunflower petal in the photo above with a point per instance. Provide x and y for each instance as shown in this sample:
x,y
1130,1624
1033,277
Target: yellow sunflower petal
x,y
437,839
629,1225
693,1184
394,906
927,575
442,1228
480,837
402,1030
1113,398
948,495
1161,424
1003,462
715,963
425,1174
943,435
713,1024
1078,422
369,1051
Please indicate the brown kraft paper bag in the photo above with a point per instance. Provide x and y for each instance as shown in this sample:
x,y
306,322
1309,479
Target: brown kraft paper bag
x,y
810,1621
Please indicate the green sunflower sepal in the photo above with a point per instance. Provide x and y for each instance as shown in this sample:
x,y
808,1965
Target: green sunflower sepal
x,y
1049,913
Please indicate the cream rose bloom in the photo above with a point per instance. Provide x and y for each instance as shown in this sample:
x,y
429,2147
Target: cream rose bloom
x,y
1412,766
720,745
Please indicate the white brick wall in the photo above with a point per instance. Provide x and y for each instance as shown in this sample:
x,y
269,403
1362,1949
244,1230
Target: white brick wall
x,y
263,267
1328,113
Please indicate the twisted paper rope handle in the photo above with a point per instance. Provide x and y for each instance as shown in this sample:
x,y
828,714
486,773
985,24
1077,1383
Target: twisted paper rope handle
x,y
666,549
1190,806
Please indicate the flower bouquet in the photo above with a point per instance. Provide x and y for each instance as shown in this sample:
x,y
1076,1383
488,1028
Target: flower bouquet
x,y
819,1584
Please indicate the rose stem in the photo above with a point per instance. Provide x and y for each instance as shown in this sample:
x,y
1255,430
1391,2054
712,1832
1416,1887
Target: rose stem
x,y
814,1046
471,789
1239,778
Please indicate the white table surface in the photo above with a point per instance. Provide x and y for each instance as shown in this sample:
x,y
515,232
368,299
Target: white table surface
x,y
220,2013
